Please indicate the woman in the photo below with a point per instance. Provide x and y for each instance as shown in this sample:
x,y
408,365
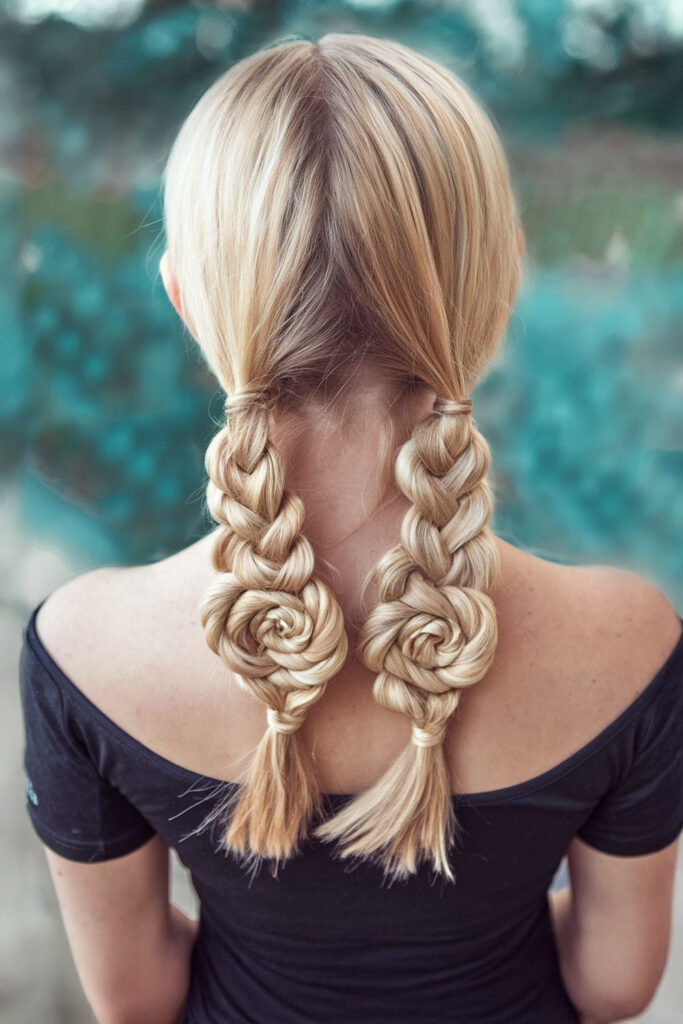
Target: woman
x,y
372,736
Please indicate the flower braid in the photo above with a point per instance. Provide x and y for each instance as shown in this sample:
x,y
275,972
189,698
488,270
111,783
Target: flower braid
x,y
276,626
432,634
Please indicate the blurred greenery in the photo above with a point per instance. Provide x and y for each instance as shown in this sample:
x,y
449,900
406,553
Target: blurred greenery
x,y
108,408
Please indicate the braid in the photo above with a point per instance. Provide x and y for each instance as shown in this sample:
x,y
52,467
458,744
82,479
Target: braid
x,y
272,623
432,634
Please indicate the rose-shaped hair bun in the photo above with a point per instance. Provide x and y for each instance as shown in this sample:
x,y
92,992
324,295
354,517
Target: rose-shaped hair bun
x,y
434,638
288,640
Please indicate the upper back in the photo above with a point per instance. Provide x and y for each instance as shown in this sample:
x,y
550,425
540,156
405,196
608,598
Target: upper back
x,y
576,646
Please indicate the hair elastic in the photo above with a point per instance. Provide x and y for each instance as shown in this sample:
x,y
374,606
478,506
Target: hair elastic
x,y
282,722
453,406
424,738
240,401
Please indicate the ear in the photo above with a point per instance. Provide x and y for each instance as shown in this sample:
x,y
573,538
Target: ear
x,y
170,283
521,241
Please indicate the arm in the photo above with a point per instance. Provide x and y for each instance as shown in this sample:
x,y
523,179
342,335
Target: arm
x,y
613,924
131,946
613,927
561,913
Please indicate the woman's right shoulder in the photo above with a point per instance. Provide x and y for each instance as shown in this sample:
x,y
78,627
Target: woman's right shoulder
x,y
619,624
584,638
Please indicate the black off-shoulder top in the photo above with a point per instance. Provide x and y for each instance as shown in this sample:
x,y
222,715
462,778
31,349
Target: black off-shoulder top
x,y
320,942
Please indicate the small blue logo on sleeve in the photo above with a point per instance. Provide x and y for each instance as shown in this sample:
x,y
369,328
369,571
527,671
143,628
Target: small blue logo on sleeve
x,y
31,793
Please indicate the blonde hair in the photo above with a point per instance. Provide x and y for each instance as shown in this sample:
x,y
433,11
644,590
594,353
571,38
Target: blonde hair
x,y
328,203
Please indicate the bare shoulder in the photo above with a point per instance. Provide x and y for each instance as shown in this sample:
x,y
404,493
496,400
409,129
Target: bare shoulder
x,y
103,626
88,618
610,629
594,634
633,618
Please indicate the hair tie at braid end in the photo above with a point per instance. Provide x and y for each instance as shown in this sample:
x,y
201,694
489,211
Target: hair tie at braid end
x,y
280,721
453,406
425,738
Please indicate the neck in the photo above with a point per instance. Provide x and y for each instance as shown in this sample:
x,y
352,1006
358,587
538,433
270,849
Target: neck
x,y
338,460
332,459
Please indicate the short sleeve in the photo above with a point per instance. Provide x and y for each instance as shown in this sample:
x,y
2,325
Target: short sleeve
x,y
643,811
74,811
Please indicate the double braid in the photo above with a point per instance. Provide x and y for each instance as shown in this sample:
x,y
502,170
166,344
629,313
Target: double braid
x,y
274,625
432,634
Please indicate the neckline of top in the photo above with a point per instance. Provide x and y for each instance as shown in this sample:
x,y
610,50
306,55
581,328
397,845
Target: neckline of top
x,y
487,796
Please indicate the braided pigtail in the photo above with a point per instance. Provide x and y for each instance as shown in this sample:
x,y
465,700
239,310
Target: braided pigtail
x,y
276,626
432,634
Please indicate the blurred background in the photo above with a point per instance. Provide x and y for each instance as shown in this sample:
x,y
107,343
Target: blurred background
x,y
107,408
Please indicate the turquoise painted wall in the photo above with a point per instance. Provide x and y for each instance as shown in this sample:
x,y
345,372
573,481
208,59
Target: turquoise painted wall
x,y
107,409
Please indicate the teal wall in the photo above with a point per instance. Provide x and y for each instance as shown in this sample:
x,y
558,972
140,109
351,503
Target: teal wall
x,y
107,409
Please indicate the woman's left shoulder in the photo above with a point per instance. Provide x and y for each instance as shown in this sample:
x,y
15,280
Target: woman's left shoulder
x,y
90,620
